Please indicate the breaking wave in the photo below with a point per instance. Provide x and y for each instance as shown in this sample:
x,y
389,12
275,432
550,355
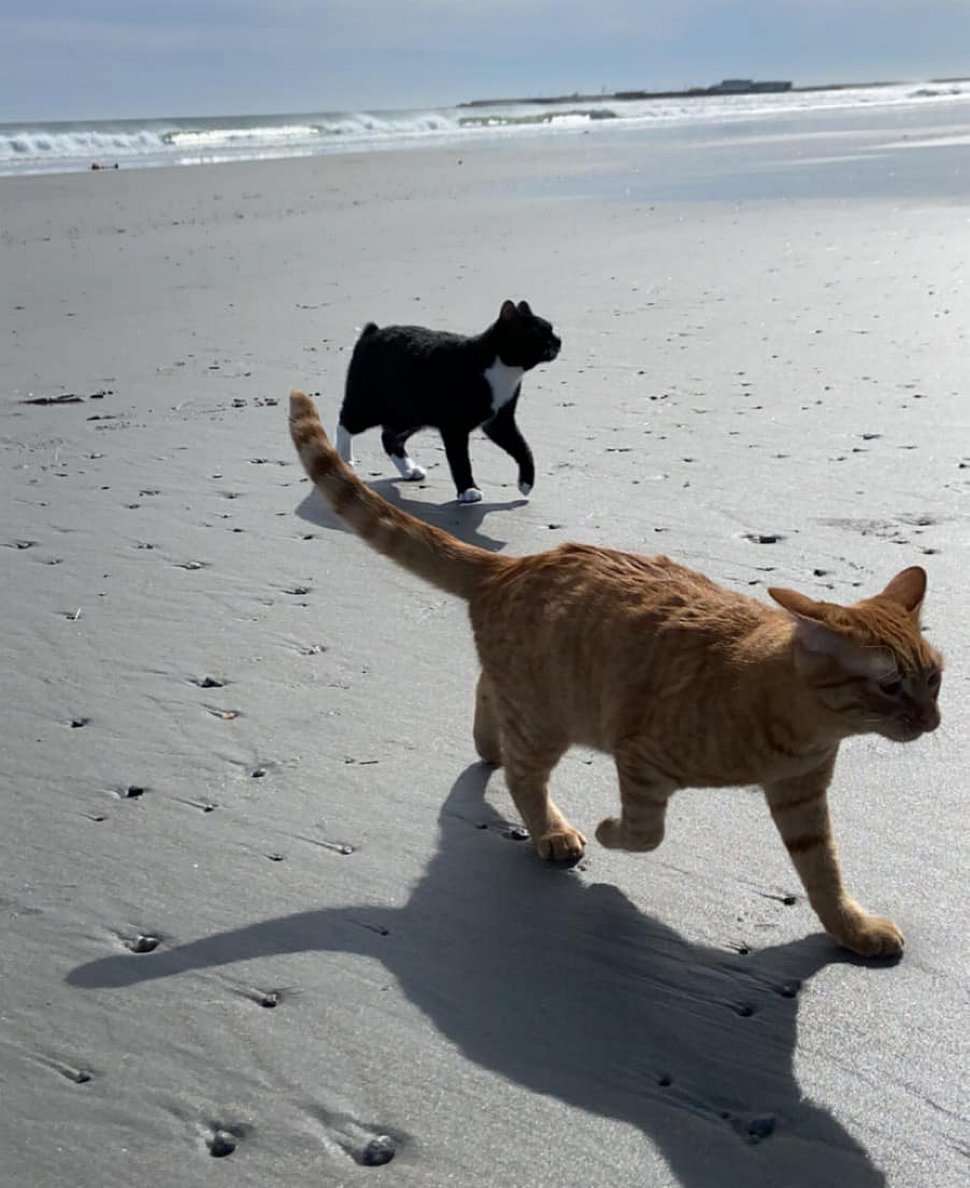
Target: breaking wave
x,y
65,147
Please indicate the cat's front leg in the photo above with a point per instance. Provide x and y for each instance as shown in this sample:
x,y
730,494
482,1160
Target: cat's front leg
x,y
504,431
644,793
456,450
799,808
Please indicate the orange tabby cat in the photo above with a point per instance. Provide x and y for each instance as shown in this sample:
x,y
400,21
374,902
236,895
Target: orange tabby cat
x,y
684,683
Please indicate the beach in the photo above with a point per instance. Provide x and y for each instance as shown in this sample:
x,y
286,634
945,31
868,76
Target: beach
x,y
267,920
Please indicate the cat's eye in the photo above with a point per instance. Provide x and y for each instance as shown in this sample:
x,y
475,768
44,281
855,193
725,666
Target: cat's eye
x,y
933,680
891,688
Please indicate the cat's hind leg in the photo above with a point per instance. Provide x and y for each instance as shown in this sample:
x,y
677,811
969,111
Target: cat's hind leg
x,y
529,759
644,793
393,441
354,418
345,444
350,422
486,730
799,808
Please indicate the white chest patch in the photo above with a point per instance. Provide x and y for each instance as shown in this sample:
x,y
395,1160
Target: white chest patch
x,y
503,380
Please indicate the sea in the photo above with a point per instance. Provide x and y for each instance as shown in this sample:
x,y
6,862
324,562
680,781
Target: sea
x,y
69,146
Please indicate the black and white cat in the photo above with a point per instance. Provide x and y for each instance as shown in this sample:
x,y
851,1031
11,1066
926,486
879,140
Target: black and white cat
x,y
406,378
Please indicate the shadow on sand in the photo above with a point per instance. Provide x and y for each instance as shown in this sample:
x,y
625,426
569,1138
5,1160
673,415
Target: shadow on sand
x,y
461,520
569,990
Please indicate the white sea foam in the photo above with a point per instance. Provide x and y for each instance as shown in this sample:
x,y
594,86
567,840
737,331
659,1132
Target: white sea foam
x,y
203,138
64,147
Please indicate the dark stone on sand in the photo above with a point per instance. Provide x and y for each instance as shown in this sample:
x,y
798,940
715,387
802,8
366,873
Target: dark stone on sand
x,y
77,723
516,833
759,1128
221,1145
745,1010
144,944
270,999
379,1150
67,398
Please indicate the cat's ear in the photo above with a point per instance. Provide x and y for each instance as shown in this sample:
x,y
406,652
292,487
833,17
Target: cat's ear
x,y
524,309
820,641
507,311
798,604
907,589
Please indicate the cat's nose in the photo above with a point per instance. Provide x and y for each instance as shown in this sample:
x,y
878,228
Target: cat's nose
x,y
929,719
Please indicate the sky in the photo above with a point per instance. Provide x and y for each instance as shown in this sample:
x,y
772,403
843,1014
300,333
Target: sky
x,y
102,59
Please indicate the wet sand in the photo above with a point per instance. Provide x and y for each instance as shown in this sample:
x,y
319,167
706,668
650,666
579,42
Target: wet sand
x,y
258,901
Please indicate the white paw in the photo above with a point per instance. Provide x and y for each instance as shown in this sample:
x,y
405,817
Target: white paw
x,y
472,495
408,469
525,488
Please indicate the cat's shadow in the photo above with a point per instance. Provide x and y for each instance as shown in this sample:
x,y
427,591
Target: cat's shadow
x,y
569,990
461,520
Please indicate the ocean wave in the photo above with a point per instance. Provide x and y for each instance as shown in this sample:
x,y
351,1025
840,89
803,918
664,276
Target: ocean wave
x,y
203,138
37,145
553,117
64,147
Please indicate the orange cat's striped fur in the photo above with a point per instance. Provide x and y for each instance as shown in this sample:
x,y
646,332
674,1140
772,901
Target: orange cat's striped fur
x,y
684,683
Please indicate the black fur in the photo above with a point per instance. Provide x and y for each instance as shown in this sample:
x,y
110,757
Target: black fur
x,y
406,378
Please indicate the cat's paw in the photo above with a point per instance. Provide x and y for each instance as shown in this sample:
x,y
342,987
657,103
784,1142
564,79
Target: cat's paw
x,y
409,470
871,936
472,495
564,844
525,488
615,834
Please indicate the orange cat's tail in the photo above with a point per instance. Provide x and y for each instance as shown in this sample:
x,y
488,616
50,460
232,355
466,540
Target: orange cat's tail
x,y
439,558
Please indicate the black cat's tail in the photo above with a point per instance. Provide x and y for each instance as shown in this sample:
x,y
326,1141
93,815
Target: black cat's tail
x,y
439,558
